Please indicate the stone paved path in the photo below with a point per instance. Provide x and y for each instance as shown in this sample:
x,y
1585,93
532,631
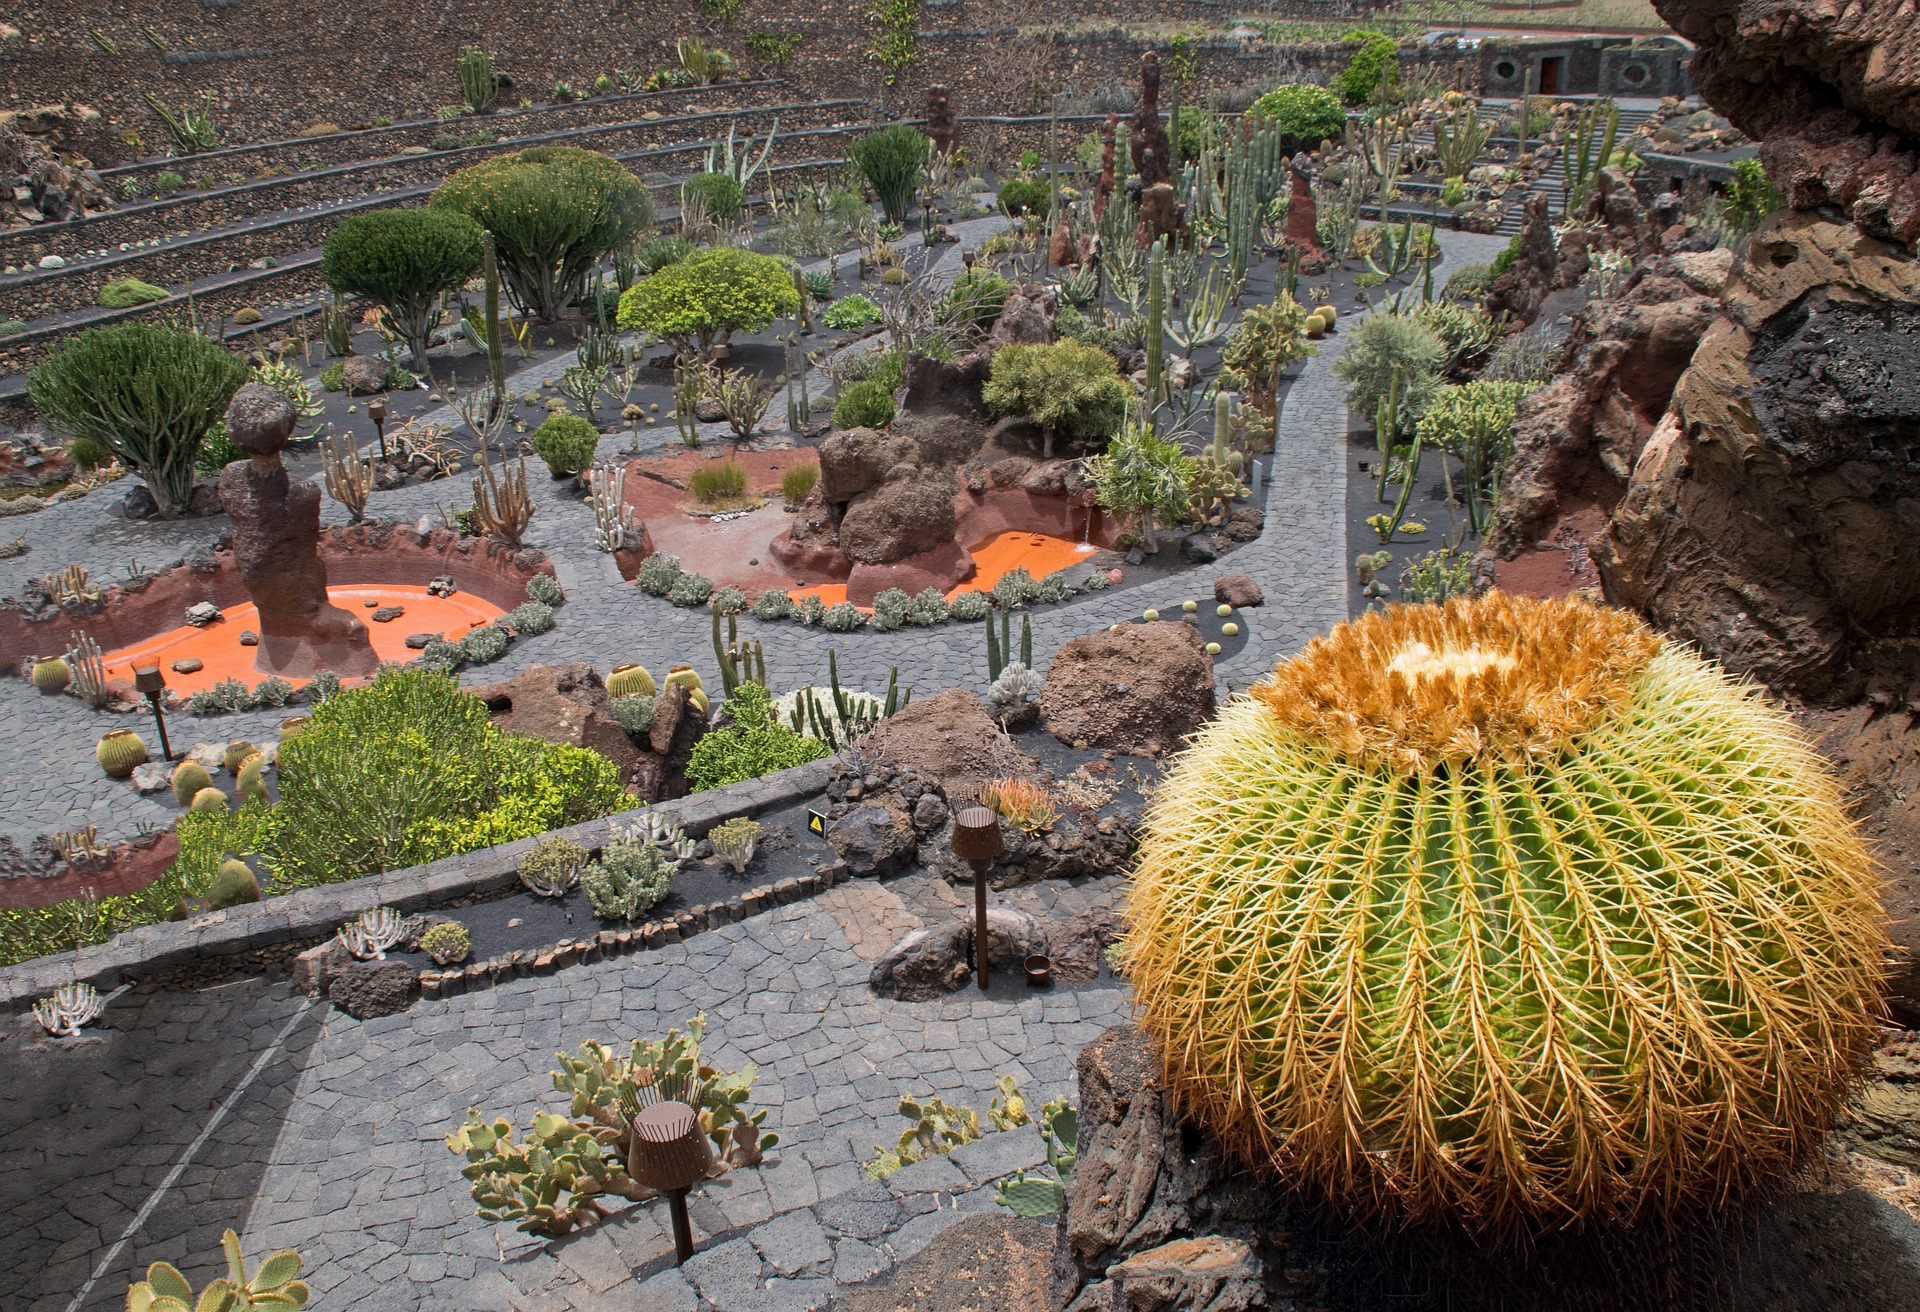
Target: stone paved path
x,y
335,1146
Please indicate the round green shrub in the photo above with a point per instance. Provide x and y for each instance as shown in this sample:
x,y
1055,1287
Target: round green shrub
x,y
1025,196
720,195
530,618
850,312
125,293
1304,114
554,212
147,394
1068,388
566,443
1374,63
709,295
403,261
1506,915
756,743
867,404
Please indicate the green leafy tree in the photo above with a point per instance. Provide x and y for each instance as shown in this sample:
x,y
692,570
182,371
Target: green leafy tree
x,y
1305,115
403,260
554,212
1373,63
1066,387
145,393
1145,479
710,295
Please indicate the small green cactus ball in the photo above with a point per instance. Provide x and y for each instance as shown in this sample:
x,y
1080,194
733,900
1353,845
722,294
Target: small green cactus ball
x,y
233,885
119,752
1213,649
1189,606
630,681
208,799
447,942
51,675
1150,615
1230,629
189,777
251,783
1223,610
236,754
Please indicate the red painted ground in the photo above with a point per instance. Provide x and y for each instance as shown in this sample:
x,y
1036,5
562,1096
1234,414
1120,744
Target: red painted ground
x,y
998,555
720,551
218,645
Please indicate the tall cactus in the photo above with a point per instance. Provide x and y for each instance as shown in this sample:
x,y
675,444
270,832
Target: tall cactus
x,y
1156,327
1583,164
496,347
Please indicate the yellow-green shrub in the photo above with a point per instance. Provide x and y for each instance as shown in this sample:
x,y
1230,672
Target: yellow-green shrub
x,y
710,295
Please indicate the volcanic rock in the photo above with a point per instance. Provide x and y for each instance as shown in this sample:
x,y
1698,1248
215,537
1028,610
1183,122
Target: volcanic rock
x,y
362,375
876,837
949,738
1238,591
1144,688
568,704
366,989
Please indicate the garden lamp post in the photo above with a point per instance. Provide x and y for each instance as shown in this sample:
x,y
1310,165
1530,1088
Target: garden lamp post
x,y
976,840
671,1153
377,411
150,683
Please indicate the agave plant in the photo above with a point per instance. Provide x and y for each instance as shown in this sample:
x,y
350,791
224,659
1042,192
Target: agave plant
x,y
1506,913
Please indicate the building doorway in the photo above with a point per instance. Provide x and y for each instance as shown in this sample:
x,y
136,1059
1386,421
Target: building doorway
x,y
1550,68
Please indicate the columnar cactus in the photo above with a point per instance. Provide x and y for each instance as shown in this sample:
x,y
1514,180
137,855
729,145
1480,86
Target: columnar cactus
x,y
1506,913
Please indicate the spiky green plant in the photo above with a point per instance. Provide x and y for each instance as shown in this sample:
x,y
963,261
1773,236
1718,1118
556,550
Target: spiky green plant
x,y
1506,913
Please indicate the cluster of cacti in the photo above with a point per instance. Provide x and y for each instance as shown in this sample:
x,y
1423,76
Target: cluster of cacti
x,y
735,841
88,668
1000,645
69,1007
553,867
1474,424
119,752
368,937
1022,803
275,1284
234,884
447,942
1584,162
1506,913
657,829
935,1127
1015,685
189,777
740,662
632,875
1458,139
557,1178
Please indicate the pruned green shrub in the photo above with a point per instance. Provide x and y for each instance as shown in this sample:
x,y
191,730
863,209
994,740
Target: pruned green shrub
x,y
403,261
1069,389
145,393
1304,114
1025,196
1374,63
866,404
753,745
554,212
566,443
125,293
709,295
1469,282
719,194
1536,920
892,159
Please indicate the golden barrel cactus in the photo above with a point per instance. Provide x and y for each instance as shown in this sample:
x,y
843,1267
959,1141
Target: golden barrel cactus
x,y
1505,914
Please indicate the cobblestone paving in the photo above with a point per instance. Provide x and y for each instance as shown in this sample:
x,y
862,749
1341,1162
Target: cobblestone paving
x,y
335,1147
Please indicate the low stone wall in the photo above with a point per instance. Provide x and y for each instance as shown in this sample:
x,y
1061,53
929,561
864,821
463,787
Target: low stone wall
x,y
315,913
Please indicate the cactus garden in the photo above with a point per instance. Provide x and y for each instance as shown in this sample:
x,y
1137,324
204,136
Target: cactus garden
x,y
939,658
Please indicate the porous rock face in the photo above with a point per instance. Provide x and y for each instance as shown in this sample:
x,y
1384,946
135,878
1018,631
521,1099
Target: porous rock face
x,y
1576,440
37,186
1143,689
878,502
1829,90
366,989
276,548
1772,515
568,704
948,737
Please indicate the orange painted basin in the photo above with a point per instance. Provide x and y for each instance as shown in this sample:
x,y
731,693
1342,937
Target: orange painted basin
x,y
218,647
999,555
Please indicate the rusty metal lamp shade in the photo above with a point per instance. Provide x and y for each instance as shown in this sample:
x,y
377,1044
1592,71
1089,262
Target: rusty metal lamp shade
x,y
148,680
670,1151
976,834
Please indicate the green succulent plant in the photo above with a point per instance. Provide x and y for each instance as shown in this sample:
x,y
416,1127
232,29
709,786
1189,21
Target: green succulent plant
x,y
1506,914
274,1284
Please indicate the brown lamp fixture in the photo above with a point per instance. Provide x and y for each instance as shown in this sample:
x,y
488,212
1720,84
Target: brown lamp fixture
x,y
151,684
671,1153
976,840
377,411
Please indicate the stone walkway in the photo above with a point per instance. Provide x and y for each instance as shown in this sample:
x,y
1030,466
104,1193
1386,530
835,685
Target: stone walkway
x,y
333,1141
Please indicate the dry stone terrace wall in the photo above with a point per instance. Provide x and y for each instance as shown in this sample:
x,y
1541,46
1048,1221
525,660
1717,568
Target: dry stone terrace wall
x,y
275,67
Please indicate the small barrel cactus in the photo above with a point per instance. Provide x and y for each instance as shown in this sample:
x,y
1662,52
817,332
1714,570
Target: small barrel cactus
x,y
447,942
119,752
1506,914
233,885
189,777
51,675
292,726
1327,314
630,681
209,799
236,754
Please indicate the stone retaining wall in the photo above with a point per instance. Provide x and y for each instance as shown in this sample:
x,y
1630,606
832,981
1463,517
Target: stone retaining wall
x,y
315,913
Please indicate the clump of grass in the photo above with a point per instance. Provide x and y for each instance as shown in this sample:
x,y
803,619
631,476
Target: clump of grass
x,y
725,481
797,482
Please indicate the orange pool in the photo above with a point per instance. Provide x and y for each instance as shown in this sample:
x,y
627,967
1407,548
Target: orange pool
x,y
1001,554
218,647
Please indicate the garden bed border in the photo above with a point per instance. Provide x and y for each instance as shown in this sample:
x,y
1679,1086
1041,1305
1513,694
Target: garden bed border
x,y
317,912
